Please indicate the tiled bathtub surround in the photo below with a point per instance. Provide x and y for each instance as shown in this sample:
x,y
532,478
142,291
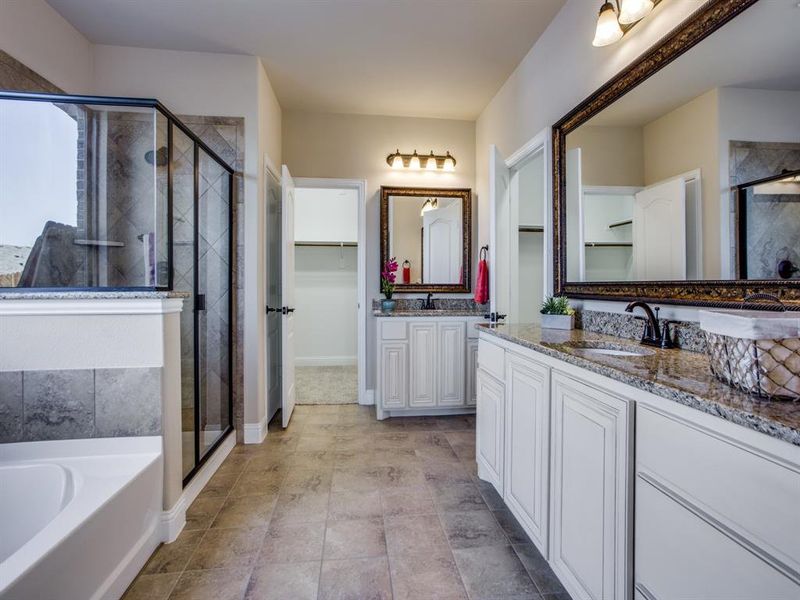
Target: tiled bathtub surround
x,y
81,403
686,335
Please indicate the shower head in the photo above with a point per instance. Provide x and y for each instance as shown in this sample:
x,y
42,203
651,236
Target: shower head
x,y
158,158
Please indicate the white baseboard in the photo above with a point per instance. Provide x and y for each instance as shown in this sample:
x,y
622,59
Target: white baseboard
x,y
254,433
326,361
368,399
174,519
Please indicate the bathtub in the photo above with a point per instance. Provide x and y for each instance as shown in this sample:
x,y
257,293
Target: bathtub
x,y
78,518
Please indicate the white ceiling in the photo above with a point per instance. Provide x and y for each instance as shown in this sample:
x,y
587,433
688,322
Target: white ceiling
x,y
427,58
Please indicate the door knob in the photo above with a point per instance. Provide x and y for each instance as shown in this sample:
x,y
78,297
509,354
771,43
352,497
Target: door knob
x,y
286,310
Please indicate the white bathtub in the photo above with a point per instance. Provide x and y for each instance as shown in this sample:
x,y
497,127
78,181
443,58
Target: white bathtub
x,y
78,518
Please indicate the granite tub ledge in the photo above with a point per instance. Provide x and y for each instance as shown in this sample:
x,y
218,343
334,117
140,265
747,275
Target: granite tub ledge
x,y
430,313
92,295
675,375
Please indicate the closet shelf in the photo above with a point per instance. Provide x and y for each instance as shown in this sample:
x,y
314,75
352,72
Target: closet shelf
x,y
328,244
531,229
620,223
609,244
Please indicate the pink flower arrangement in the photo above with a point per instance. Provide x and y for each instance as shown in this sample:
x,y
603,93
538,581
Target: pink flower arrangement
x,y
388,277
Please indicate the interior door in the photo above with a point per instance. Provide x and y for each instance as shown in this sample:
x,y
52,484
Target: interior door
x,y
499,254
274,316
659,231
287,294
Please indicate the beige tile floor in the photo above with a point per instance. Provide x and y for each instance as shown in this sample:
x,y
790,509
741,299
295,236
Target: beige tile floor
x,y
342,506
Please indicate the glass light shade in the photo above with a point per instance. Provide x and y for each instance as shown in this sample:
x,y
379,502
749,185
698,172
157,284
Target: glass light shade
x,y
449,163
631,11
430,165
397,161
608,30
414,162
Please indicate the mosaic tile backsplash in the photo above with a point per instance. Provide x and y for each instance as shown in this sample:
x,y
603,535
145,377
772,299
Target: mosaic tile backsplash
x,y
79,404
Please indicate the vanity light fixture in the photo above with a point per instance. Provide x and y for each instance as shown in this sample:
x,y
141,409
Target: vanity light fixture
x,y
431,162
614,22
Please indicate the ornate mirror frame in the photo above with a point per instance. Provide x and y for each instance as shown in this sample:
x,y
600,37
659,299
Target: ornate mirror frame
x,y
720,293
466,224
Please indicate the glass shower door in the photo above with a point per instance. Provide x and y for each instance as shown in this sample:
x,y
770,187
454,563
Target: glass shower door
x,y
213,303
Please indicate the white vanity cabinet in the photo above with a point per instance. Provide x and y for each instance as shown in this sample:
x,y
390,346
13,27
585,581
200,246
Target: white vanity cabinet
x,y
631,495
424,365
591,462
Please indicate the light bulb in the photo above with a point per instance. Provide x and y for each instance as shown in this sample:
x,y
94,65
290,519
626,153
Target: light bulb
x,y
414,162
634,10
397,161
608,29
431,164
449,163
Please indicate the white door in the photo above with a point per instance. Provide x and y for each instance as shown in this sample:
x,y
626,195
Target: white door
x,y
499,235
659,231
576,252
527,418
442,243
452,344
592,473
489,446
287,294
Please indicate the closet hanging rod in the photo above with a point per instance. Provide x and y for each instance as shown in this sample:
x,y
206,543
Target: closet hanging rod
x,y
328,244
531,229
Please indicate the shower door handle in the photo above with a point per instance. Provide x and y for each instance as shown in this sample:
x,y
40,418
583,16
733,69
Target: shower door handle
x,y
200,302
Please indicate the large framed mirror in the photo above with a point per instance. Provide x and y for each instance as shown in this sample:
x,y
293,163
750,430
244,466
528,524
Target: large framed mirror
x,y
428,232
677,181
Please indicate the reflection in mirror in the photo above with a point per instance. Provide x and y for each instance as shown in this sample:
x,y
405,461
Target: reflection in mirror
x,y
425,237
651,179
428,232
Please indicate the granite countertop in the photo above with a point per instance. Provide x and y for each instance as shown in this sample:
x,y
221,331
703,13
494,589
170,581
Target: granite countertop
x,y
677,375
32,294
430,313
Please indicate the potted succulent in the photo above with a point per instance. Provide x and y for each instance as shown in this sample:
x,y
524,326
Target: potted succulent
x,y
388,279
557,313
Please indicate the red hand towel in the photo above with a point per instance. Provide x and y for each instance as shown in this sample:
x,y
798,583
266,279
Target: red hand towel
x,y
482,284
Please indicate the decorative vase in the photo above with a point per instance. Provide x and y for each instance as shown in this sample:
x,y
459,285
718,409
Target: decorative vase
x,y
387,305
558,321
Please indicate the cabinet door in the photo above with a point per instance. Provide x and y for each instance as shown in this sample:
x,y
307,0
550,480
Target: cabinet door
x,y
527,420
394,375
489,429
452,348
472,372
423,365
591,463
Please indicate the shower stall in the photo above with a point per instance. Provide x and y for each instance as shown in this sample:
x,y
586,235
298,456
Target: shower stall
x,y
118,195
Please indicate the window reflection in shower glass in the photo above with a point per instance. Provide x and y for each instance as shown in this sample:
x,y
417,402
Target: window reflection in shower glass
x,y
82,196
213,286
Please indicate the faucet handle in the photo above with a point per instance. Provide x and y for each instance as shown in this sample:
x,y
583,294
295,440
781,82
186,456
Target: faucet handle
x,y
666,336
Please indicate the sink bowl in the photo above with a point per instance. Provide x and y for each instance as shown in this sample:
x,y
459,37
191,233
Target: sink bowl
x,y
609,349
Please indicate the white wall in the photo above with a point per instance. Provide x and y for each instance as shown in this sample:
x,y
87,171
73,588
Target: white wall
x,y
559,71
325,215
356,147
326,297
37,36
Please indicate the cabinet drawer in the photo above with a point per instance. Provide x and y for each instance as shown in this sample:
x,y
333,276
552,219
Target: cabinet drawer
x,y
492,359
679,555
746,490
393,330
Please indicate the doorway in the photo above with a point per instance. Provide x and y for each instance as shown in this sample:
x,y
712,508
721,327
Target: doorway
x,y
329,291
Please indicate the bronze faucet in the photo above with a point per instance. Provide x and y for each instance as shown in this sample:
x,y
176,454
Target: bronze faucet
x,y
652,334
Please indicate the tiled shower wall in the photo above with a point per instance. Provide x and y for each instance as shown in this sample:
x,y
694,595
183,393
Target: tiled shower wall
x,y
79,404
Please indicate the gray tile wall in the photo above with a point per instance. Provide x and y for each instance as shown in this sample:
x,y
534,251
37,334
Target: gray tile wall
x,y
80,403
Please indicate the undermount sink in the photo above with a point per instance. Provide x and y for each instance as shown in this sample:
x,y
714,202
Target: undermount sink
x,y
609,349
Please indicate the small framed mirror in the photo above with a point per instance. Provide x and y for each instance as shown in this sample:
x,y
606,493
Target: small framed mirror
x,y
428,232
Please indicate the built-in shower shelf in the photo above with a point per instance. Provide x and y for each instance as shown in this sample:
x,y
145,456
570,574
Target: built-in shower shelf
x,y
99,243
